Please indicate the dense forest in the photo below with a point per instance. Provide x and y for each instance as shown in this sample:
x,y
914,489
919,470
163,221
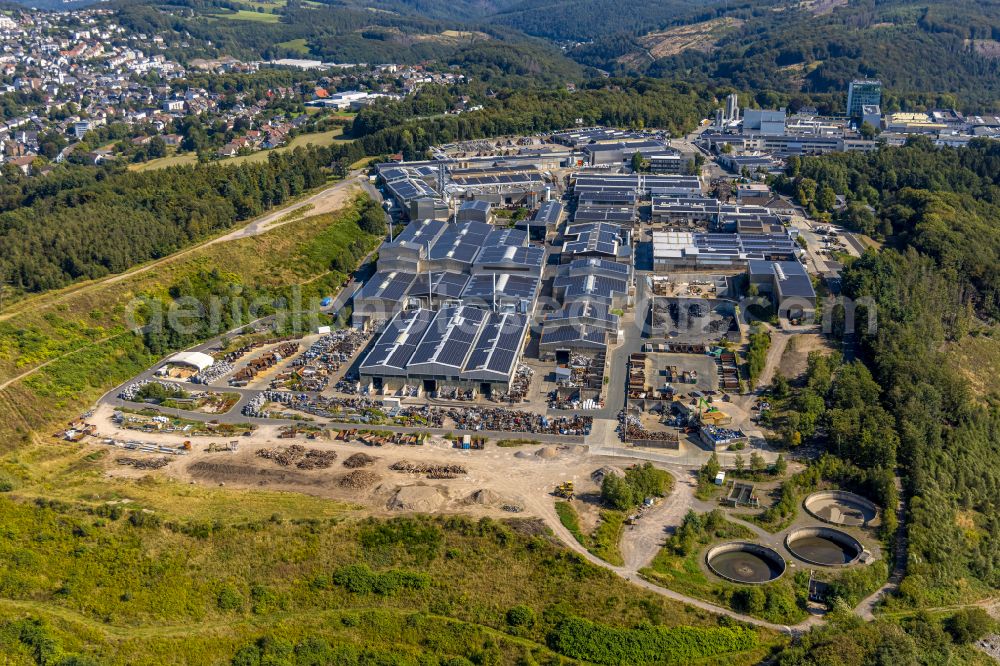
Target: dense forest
x,y
637,103
798,50
932,286
84,223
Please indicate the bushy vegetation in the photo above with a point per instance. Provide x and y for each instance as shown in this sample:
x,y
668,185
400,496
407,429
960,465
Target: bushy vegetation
x,y
639,483
603,540
600,644
921,639
760,342
458,587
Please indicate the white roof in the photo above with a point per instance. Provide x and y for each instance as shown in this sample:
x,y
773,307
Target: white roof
x,y
196,359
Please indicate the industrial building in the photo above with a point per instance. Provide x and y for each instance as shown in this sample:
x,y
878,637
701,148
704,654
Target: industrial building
x,y
545,219
641,184
596,239
789,285
673,250
462,347
475,211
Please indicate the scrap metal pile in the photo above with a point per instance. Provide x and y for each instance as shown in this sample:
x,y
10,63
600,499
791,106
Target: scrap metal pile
x,y
131,392
212,373
432,471
514,420
300,456
326,356
634,430
519,386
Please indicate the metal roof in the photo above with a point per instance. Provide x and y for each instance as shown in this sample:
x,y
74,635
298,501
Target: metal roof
x,y
461,242
392,351
483,286
510,257
386,285
444,284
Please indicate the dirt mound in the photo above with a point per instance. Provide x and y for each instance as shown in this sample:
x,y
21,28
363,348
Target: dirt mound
x,y
524,454
359,479
485,496
547,452
359,460
598,474
417,498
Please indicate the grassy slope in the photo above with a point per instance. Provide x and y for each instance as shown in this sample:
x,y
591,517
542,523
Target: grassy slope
x,y
151,595
83,338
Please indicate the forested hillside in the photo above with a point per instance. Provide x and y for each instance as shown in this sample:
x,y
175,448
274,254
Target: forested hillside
x,y
933,285
799,49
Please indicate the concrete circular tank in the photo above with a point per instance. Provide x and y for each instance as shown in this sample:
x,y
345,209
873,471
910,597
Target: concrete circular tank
x,y
840,507
745,562
824,546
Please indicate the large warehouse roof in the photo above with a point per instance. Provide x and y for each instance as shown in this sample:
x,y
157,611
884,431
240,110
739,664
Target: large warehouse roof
x,y
453,343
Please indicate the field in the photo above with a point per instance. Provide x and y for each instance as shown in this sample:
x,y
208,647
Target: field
x,y
246,15
180,159
299,45
176,159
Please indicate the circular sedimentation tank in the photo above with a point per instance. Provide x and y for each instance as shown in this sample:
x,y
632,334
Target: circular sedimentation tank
x,y
824,546
745,562
840,507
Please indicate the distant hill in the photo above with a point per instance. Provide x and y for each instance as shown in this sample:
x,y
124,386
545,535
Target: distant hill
x,y
950,50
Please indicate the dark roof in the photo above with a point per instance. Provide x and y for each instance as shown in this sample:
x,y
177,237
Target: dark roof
x,y
513,285
444,284
387,285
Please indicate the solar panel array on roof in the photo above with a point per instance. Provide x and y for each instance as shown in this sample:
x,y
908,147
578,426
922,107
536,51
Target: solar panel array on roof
x,y
596,265
498,179
392,351
593,311
593,237
617,214
639,183
593,286
418,233
444,284
510,285
497,348
527,258
386,285
410,189
568,334
461,242
548,213
453,343
508,237
625,197
449,339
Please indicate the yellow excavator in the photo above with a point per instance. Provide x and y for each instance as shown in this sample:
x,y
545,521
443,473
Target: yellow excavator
x,y
565,490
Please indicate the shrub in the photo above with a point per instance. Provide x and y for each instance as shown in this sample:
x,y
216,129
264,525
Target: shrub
x,y
589,641
229,598
360,579
520,616
968,625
